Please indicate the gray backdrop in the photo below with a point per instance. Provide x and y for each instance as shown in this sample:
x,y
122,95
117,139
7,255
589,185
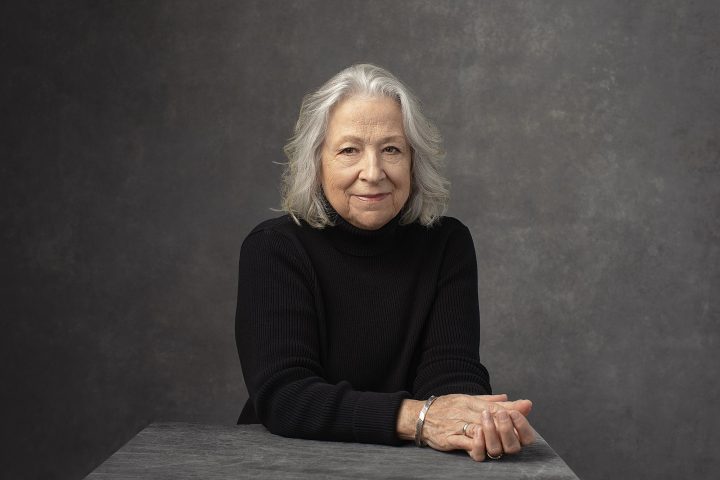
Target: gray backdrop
x,y
139,143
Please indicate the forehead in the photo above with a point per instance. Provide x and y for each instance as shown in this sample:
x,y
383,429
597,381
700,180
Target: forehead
x,y
365,115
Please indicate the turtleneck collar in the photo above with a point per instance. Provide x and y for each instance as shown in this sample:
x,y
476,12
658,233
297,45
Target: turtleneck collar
x,y
350,239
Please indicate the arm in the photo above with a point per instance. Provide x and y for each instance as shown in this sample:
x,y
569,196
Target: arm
x,y
277,338
449,361
450,367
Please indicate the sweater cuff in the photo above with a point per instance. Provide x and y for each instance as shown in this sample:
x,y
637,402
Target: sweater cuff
x,y
464,388
375,417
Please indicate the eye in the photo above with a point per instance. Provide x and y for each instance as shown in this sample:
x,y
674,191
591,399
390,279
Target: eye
x,y
391,149
348,150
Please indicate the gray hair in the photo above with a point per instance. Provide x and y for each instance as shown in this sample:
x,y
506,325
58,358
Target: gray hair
x,y
302,196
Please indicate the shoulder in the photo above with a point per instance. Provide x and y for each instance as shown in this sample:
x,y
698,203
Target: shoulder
x,y
449,240
451,224
445,229
272,234
282,224
272,250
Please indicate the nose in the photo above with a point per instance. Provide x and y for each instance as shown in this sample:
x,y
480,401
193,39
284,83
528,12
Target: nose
x,y
372,169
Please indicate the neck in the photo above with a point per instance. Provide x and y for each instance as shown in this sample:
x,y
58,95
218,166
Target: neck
x,y
348,238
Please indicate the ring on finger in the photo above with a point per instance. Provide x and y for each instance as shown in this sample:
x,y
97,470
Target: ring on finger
x,y
497,457
465,428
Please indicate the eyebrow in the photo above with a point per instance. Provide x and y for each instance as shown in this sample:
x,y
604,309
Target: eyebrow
x,y
391,138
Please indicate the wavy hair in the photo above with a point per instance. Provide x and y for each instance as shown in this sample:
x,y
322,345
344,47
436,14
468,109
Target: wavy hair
x,y
302,196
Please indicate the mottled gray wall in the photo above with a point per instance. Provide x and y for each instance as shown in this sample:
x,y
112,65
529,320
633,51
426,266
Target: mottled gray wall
x,y
137,150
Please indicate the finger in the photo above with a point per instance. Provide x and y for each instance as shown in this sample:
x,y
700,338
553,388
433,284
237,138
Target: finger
x,y
522,406
475,429
468,429
477,452
525,432
502,397
478,405
475,446
493,444
506,431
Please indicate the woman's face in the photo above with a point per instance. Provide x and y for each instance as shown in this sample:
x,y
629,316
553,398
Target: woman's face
x,y
366,161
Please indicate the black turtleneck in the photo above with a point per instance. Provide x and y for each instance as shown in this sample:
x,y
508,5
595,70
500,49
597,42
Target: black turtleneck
x,y
336,326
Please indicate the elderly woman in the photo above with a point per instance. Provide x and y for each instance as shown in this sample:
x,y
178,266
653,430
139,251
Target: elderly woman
x,y
357,316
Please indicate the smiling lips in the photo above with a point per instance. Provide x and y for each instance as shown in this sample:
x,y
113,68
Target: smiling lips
x,y
375,197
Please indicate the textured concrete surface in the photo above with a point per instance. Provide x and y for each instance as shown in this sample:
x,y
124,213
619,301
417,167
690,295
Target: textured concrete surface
x,y
139,142
178,451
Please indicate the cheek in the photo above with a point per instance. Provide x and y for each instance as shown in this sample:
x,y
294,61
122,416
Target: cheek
x,y
402,179
335,182
340,179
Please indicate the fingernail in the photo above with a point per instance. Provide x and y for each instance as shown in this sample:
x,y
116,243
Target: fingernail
x,y
502,415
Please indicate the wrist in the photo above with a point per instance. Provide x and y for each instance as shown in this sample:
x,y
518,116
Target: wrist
x,y
407,418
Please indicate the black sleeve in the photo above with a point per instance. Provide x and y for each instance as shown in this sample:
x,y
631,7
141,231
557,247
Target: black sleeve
x,y
450,359
276,331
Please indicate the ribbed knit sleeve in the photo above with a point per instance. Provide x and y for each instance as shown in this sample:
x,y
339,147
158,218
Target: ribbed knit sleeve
x,y
450,360
278,341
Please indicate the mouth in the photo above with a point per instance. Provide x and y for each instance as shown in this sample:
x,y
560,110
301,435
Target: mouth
x,y
376,197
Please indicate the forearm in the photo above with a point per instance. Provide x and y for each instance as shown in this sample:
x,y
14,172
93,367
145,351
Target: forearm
x,y
314,409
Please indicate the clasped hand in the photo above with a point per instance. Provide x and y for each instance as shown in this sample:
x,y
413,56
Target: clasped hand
x,y
495,427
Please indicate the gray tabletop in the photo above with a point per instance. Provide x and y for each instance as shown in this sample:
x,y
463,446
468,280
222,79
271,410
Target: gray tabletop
x,y
181,450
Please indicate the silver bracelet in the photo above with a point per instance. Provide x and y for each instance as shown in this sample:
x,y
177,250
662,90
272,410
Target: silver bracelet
x,y
421,421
